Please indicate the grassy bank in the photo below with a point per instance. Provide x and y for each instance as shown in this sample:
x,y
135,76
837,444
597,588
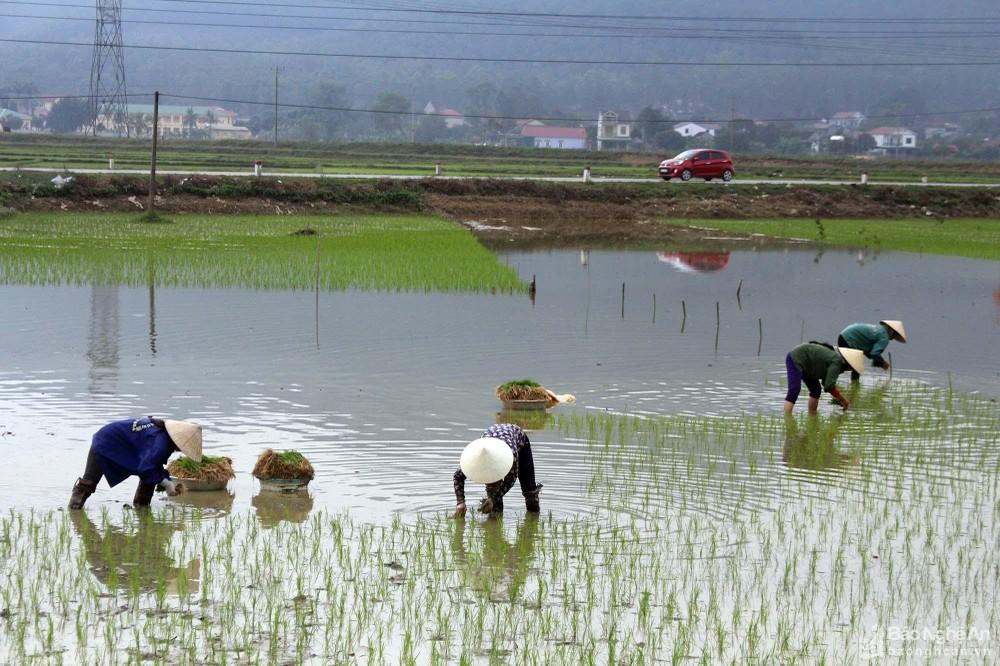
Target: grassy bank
x,y
401,252
974,238
416,159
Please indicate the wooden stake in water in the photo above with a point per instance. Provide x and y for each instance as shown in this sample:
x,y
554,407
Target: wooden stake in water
x,y
684,315
738,289
654,308
717,326
623,300
760,334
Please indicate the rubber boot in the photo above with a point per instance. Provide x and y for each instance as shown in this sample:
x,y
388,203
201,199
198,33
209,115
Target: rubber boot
x,y
531,499
143,494
81,491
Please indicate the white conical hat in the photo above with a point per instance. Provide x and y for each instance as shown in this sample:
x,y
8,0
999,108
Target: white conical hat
x,y
486,460
854,357
187,437
897,328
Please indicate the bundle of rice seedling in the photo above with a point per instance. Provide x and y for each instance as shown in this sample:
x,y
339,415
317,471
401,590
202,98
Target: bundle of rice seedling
x,y
521,389
283,465
211,469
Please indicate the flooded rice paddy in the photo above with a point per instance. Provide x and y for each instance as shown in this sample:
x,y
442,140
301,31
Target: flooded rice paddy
x,y
684,520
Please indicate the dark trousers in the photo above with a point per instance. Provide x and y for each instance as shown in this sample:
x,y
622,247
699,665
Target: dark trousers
x,y
526,469
143,493
841,342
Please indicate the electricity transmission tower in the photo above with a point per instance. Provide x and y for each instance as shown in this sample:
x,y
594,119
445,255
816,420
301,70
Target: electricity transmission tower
x,y
108,98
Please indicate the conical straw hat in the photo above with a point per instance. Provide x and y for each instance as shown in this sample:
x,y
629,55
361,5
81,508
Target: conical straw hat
x,y
486,460
854,357
897,328
187,437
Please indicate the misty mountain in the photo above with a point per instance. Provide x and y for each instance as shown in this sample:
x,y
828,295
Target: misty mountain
x,y
858,35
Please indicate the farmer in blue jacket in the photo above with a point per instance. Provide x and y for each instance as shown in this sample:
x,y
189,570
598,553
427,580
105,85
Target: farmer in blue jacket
x,y
136,447
872,339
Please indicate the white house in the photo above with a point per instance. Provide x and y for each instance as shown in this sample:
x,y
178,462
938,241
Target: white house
x,y
612,134
848,119
452,118
694,129
10,118
893,138
569,138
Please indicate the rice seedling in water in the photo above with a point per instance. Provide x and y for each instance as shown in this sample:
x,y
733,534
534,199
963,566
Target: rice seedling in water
x,y
750,539
371,252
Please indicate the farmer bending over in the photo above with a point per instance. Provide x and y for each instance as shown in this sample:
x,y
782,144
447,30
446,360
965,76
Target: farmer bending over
x,y
872,339
501,455
815,362
138,447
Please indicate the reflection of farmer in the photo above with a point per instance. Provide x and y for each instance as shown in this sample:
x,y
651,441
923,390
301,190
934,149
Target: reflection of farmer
x,y
501,455
136,447
872,339
818,363
500,561
813,447
136,555
272,508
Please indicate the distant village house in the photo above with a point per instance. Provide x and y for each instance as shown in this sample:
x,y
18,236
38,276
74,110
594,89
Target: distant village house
x,y
210,122
893,139
612,134
11,120
848,119
452,118
687,130
545,136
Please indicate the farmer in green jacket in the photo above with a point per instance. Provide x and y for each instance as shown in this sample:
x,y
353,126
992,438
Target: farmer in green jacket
x,y
872,339
815,363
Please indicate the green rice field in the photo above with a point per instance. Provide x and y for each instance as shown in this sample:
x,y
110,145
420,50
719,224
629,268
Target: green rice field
x,y
974,238
751,539
373,252
72,152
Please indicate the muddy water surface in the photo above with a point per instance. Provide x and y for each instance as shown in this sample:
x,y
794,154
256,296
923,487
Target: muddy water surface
x,y
381,390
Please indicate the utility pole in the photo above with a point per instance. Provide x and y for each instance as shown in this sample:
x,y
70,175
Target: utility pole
x,y
152,161
276,105
732,121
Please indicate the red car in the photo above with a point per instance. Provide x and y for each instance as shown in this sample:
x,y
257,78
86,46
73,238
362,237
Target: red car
x,y
698,163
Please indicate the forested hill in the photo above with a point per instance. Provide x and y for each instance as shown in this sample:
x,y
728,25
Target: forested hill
x,y
737,36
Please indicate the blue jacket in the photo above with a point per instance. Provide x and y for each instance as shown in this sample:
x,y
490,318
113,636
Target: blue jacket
x,y
872,339
133,447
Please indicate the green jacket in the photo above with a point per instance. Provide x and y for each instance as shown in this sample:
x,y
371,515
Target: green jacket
x,y
816,361
872,339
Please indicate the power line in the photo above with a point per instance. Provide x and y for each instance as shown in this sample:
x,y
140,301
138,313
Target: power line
x,y
507,19
589,120
316,107
658,34
632,17
535,61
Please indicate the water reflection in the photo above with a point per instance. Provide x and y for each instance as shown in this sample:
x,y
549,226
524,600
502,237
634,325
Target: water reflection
x,y
499,569
135,557
695,262
102,341
527,419
813,447
211,502
272,508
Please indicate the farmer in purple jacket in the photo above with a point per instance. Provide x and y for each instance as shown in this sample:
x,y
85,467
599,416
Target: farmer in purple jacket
x,y
136,447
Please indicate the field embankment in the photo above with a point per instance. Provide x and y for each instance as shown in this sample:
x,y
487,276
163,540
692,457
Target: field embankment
x,y
507,212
